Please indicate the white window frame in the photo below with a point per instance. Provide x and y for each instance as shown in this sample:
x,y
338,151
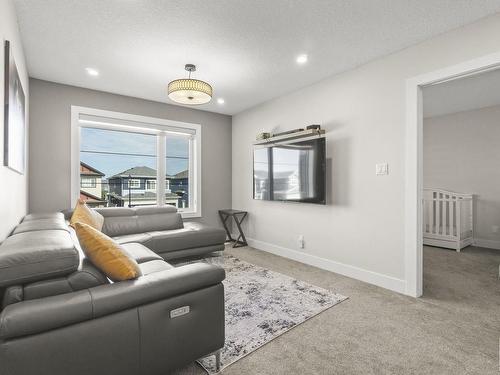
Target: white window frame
x,y
146,125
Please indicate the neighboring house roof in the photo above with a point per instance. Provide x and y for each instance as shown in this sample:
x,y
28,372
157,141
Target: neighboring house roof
x,y
91,196
183,174
146,172
136,172
88,170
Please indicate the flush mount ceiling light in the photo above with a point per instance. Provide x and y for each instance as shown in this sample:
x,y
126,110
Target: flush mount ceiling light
x,y
188,90
92,72
301,59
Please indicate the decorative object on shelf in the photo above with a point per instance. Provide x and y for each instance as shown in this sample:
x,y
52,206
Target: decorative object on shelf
x,y
287,136
288,132
226,214
14,115
262,136
189,90
313,127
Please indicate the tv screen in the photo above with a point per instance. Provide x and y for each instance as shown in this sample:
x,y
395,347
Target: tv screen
x,y
293,171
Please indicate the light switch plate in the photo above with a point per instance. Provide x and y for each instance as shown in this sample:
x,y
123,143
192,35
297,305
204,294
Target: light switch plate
x,y
381,169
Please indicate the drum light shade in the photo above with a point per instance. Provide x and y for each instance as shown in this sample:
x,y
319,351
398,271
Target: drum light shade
x,y
189,91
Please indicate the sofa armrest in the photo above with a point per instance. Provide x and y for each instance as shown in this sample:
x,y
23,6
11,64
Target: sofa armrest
x,y
40,315
44,314
124,295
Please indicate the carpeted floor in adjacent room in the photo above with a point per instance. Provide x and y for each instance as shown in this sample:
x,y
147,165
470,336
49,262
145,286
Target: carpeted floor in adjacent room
x,y
453,329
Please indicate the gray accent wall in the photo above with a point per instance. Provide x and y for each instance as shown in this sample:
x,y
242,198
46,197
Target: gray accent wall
x,y
50,146
13,186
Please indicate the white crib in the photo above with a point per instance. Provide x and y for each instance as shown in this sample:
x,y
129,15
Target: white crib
x,y
448,219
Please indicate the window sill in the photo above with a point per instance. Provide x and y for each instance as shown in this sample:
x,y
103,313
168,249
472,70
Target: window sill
x,y
190,215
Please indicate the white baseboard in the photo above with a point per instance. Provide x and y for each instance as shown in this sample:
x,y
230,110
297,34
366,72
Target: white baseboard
x,y
384,281
490,244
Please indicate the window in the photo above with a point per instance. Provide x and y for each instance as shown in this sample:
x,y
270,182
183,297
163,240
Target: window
x,y
122,157
143,161
88,182
151,185
134,184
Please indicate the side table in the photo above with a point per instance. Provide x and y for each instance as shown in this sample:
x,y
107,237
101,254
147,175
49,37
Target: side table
x,y
238,216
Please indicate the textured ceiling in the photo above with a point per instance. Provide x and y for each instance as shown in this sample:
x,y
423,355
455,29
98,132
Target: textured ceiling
x,y
245,48
463,94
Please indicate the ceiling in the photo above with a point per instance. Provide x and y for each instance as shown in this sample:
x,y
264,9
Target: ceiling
x,y
463,94
245,48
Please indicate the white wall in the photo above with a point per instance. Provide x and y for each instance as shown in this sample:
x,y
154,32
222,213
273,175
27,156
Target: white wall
x,y
361,231
462,154
50,146
13,186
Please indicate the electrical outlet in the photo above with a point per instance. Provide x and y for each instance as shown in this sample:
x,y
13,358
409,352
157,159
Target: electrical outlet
x,y
301,241
381,169
495,229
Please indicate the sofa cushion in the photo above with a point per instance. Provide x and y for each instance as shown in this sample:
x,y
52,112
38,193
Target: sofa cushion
x,y
154,266
41,224
140,252
42,216
120,226
86,277
13,294
158,218
193,235
137,238
46,288
106,254
120,221
38,255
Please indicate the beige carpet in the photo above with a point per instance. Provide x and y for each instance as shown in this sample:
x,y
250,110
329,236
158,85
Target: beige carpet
x,y
453,329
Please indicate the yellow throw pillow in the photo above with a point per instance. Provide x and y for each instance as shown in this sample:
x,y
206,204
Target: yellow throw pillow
x,y
106,254
86,215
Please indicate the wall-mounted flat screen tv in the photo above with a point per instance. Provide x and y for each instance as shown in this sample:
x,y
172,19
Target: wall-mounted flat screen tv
x,y
294,171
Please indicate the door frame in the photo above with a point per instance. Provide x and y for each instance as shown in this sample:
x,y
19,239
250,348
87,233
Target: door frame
x,y
414,160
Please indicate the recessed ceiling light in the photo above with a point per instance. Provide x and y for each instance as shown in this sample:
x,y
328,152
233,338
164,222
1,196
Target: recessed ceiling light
x,y
221,101
92,72
302,59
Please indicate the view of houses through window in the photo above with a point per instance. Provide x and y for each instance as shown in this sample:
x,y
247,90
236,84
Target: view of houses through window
x,y
119,168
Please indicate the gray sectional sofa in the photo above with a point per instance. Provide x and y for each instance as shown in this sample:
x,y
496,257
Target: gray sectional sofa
x,y
61,315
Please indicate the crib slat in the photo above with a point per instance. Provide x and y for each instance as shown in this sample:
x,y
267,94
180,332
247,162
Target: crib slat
x,y
454,224
445,216
433,218
439,213
429,216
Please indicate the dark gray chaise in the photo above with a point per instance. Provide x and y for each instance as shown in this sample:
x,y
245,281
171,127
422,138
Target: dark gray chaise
x,y
61,315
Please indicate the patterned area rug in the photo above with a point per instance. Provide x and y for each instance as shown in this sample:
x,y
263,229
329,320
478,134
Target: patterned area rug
x,y
262,305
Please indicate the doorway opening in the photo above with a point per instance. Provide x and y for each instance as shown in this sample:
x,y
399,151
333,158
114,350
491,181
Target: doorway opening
x,y
414,160
461,189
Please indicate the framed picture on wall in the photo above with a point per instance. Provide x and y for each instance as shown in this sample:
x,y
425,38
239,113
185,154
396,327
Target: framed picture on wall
x,y
14,115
